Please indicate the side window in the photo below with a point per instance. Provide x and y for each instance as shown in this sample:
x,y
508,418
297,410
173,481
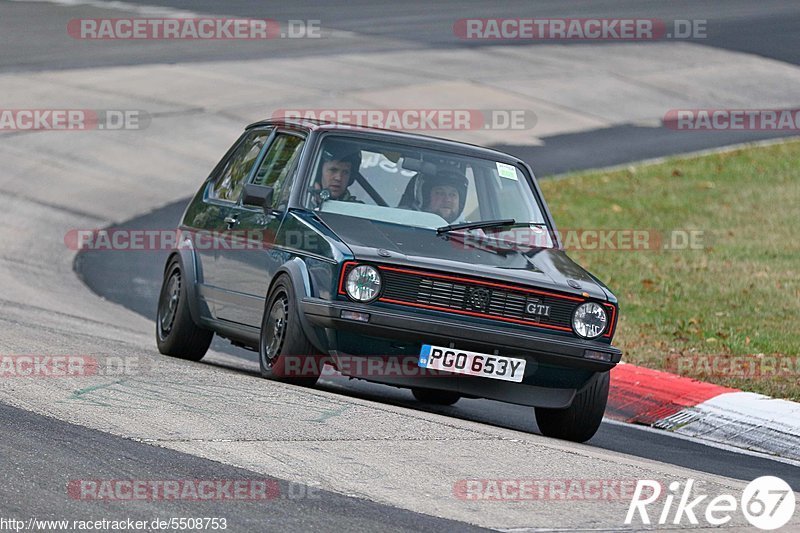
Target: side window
x,y
278,164
229,182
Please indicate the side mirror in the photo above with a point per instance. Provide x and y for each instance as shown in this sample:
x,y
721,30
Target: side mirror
x,y
257,195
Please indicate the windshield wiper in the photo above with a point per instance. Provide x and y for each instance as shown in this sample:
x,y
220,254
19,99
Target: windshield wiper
x,y
477,225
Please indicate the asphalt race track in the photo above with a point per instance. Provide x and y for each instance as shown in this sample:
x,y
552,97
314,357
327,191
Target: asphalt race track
x,y
739,26
356,456
78,450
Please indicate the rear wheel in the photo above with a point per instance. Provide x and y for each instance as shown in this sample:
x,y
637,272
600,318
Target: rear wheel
x,y
284,352
176,333
436,397
579,421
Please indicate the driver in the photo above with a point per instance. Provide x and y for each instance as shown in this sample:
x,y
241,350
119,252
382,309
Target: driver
x,y
444,194
337,171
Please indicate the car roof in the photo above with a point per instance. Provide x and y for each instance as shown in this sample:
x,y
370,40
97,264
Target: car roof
x,y
317,125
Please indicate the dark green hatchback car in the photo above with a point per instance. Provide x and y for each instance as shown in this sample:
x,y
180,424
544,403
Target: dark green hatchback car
x,y
395,258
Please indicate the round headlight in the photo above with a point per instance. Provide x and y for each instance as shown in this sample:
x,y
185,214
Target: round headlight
x,y
363,283
589,320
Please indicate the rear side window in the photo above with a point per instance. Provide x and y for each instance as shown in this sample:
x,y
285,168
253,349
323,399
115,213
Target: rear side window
x,y
229,182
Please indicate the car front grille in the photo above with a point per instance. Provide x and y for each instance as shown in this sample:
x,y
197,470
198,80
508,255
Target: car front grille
x,y
482,298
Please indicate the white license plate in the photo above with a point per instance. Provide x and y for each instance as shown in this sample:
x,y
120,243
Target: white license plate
x,y
471,363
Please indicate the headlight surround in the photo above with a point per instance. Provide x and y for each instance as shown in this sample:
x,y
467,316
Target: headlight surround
x,y
363,283
589,320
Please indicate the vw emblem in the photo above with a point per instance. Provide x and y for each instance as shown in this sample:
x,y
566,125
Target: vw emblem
x,y
479,298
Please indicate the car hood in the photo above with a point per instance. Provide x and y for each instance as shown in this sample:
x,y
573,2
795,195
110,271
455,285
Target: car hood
x,y
387,243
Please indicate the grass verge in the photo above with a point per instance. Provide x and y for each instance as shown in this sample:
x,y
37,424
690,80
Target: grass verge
x,y
724,308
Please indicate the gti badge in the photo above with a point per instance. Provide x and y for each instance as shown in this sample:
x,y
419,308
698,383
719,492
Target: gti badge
x,y
535,307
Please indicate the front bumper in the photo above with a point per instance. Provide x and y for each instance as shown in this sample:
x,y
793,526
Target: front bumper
x,y
562,357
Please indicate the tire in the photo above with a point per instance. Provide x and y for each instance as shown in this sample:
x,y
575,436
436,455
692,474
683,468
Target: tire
x,y
579,421
176,333
282,338
436,397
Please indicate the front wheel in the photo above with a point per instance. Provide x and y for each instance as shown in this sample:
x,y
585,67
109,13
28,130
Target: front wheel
x,y
435,397
176,333
284,352
580,421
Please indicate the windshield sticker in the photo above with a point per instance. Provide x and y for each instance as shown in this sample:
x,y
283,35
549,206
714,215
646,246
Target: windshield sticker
x,y
507,171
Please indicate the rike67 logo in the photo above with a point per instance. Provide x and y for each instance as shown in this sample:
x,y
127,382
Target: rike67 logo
x,y
767,503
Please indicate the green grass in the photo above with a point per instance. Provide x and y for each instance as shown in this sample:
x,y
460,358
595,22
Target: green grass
x,y
737,295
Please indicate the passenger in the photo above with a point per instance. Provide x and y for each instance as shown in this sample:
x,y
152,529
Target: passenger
x,y
444,194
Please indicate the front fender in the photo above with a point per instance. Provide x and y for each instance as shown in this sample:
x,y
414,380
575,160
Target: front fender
x,y
297,271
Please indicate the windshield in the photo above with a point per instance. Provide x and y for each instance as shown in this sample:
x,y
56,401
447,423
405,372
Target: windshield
x,y
420,187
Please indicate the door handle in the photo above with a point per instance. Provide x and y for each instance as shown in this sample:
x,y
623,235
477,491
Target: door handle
x,y
231,221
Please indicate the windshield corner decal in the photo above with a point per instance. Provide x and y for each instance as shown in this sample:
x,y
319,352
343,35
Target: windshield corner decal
x,y
507,171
